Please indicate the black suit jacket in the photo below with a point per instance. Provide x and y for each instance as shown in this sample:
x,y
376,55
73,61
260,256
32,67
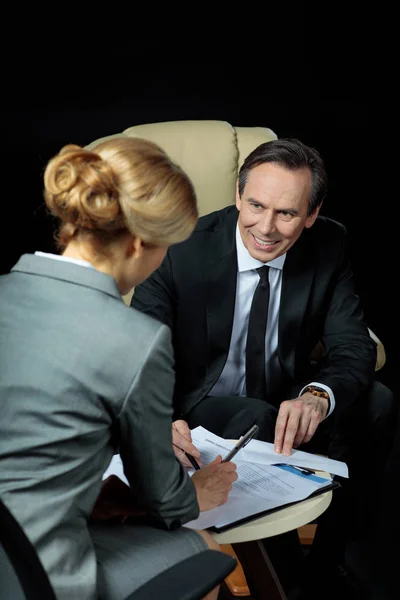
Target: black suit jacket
x,y
194,293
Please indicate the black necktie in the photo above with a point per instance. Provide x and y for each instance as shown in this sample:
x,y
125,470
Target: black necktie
x,y
255,346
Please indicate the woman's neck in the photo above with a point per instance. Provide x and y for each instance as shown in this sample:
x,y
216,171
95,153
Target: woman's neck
x,y
81,251
112,265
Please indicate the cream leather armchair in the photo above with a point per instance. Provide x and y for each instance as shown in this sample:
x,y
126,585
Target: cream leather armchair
x,y
211,153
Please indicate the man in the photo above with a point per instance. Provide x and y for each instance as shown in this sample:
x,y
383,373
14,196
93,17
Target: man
x,y
248,297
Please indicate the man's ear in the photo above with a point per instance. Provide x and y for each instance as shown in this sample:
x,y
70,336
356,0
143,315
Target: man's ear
x,y
312,218
237,196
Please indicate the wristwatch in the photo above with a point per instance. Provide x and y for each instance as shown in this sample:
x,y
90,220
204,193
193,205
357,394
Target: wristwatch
x,y
317,391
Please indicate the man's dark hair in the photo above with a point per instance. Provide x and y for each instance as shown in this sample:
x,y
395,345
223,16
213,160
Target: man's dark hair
x,y
290,154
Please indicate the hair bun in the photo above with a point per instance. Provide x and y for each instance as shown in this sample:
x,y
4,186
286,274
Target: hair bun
x,y
121,185
80,189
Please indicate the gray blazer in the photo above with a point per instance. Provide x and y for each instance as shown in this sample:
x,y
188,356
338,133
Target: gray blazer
x,y
80,374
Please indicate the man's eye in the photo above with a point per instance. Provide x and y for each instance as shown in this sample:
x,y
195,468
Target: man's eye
x,y
286,216
255,205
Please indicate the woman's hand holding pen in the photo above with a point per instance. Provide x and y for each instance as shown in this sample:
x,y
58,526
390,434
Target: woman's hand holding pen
x,y
182,442
213,483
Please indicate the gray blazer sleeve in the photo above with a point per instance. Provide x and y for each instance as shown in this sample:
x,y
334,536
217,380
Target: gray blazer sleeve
x,y
156,477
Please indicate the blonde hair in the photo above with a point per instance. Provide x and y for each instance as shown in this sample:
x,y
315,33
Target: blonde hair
x,y
120,184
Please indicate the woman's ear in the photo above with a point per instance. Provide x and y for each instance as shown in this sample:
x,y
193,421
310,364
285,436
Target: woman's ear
x,y
134,247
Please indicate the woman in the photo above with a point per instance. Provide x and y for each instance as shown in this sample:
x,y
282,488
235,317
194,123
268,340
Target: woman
x,y
81,375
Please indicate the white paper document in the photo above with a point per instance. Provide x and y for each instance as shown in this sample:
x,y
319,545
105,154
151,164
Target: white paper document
x,y
260,488
262,453
116,468
262,485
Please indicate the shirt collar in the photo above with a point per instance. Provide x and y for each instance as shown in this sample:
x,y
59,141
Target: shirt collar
x,y
247,262
75,261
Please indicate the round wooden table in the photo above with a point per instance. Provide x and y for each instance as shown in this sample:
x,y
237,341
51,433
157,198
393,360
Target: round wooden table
x,y
246,539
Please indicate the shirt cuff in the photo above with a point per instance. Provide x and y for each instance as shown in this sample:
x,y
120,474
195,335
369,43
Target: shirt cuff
x,y
327,389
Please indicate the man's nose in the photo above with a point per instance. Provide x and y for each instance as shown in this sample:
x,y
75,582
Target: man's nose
x,y
267,223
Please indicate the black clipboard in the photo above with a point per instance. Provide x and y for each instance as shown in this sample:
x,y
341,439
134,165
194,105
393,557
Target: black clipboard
x,y
334,485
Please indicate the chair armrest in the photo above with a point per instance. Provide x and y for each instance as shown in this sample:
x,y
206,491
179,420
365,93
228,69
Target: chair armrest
x,y
380,351
316,355
190,579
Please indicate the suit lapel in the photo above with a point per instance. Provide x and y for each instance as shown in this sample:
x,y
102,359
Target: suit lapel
x,y
297,280
221,276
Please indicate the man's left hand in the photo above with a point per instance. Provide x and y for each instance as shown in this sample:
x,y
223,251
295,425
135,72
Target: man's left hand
x,y
297,422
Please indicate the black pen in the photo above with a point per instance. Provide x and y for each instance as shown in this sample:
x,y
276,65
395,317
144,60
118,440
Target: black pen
x,y
241,443
192,460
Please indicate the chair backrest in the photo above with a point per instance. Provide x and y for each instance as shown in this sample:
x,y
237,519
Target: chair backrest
x,y
22,574
210,152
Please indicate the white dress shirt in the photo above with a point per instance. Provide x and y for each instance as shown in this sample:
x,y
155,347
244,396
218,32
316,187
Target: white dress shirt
x,y
232,381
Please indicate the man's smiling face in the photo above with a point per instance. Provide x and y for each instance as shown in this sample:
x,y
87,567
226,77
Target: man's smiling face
x,y
273,209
